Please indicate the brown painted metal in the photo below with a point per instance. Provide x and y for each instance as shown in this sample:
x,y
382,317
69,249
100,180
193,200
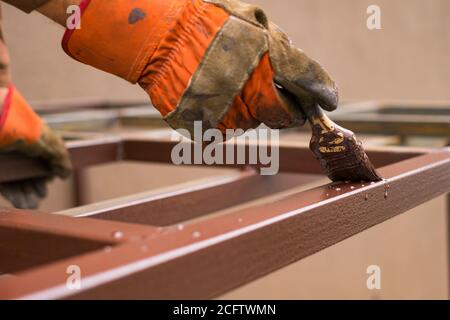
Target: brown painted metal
x,y
206,258
131,256
245,245
83,154
14,168
90,153
187,204
293,159
40,238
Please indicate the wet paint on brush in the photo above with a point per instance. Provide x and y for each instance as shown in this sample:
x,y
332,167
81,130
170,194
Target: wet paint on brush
x,y
340,154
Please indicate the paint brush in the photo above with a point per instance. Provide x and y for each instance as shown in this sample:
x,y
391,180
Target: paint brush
x,y
340,154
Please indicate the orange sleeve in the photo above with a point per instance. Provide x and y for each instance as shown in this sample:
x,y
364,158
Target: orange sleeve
x,y
18,121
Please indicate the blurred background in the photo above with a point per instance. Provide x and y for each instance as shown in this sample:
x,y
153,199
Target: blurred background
x,y
407,60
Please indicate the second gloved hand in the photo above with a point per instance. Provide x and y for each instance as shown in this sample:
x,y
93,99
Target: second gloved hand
x,y
23,132
221,62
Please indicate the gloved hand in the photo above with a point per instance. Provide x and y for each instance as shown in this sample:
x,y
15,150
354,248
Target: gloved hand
x,y
216,61
23,132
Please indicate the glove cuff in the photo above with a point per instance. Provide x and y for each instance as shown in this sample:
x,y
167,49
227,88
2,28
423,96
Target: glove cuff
x,y
121,36
18,122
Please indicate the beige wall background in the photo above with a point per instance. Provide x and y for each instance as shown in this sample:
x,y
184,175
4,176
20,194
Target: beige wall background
x,y
407,59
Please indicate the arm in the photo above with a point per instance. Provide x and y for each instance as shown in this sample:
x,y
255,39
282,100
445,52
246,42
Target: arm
x,y
53,9
221,62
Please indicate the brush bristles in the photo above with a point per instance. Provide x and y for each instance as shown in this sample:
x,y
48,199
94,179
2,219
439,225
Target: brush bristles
x,y
341,156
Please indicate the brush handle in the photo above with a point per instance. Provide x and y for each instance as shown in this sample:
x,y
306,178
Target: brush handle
x,y
316,117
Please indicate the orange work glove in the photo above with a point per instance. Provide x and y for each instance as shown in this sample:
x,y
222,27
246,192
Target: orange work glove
x,y
23,132
216,61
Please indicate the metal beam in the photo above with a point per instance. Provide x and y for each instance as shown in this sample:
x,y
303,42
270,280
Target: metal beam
x,y
227,251
30,239
192,202
293,159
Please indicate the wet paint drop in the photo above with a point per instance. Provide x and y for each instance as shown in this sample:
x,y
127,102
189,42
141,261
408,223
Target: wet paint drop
x,y
117,235
352,188
338,189
386,188
240,220
180,227
363,185
196,234
327,194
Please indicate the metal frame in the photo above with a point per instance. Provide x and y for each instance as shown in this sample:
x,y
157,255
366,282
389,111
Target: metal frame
x,y
141,254
404,118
